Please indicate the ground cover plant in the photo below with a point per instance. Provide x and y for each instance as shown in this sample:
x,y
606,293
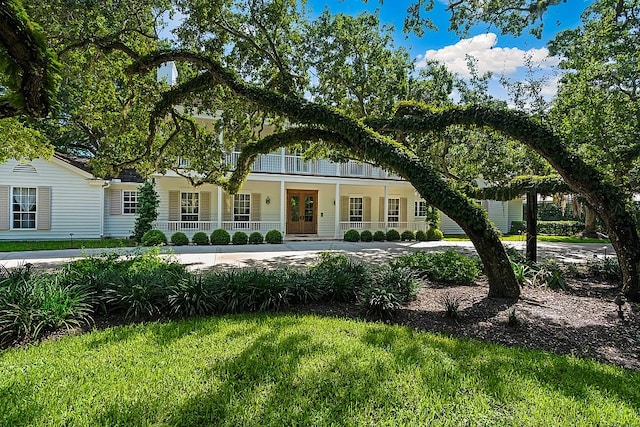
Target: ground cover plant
x,y
148,286
273,370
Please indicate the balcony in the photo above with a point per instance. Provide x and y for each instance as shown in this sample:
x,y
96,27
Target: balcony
x,y
296,165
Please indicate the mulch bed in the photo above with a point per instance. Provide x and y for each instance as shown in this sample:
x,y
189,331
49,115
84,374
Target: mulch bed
x,y
582,321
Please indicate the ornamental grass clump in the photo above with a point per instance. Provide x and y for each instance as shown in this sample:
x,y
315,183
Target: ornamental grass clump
x,y
386,289
34,304
338,275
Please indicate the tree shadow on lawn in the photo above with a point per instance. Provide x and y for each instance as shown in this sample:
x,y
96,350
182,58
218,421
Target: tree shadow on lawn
x,y
285,373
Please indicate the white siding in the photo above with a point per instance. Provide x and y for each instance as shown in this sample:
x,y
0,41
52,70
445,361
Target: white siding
x,y
120,225
76,202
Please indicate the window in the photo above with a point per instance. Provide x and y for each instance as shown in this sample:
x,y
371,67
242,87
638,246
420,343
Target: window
x,y
394,210
23,208
242,207
420,208
189,204
355,209
129,202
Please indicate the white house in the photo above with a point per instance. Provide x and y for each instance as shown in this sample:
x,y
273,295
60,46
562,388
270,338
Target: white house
x,y
60,198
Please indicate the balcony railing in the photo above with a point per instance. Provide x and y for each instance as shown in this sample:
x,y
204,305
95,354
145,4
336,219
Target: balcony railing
x,y
296,165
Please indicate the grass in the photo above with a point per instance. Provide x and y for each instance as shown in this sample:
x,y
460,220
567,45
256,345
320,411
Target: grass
x,y
262,370
521,238
45,245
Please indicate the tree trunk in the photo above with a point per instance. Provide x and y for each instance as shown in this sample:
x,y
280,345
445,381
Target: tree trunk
x,y
589,222
532,226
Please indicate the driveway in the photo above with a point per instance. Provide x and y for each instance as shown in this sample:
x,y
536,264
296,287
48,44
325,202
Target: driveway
x,y
300,253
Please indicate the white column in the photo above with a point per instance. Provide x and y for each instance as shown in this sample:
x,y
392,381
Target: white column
x,y
219,207
283,160
386,207
283,210
336,210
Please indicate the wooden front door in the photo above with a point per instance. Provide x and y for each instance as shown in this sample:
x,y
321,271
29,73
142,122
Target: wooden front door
x,y
302,211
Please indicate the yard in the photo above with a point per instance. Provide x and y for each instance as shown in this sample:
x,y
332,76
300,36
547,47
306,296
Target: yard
x,y
287,369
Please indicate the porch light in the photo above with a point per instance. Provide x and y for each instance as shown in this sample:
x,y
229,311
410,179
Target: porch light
x,y
268,200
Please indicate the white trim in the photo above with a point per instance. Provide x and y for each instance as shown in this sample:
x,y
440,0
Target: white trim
x,y
11,212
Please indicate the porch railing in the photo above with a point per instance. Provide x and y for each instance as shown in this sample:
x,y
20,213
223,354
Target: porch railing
x,y
374,226
191,227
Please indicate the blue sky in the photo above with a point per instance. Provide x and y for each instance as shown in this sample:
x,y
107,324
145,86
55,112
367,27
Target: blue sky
x,y
500,54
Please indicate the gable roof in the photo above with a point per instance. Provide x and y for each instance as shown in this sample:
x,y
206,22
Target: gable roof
x,y
82,163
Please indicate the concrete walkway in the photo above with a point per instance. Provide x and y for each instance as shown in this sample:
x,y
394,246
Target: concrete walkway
x,y
300,253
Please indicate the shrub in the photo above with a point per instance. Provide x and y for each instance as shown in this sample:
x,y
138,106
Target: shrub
x,y
366,236
393,236
220,237
147,212
379,236
378,301
200,238
443,267
338,276
407,235
240,238
560,228
434,234
179,238
273,236
31,304
451,305
154,238
256,238
518,227
194,295
421,236
607,268
352,236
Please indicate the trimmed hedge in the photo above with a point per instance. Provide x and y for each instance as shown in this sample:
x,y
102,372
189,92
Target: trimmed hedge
x,y
220,237
179,238
421,236
352,236
256,238
407,235
239,238
200,238
560,228
273,236
518,227
366,236
379,236
154,238
393,236
434,234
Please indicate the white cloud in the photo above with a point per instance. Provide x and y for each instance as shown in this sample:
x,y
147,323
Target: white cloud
x,y
500,60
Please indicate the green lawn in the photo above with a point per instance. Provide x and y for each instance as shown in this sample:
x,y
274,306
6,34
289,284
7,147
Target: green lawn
x,y
40,245
522,238
281,370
